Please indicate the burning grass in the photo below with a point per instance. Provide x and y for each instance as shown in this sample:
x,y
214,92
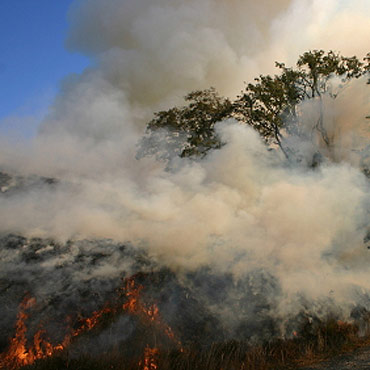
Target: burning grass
x,y
155,319
154,344
329,338
22,352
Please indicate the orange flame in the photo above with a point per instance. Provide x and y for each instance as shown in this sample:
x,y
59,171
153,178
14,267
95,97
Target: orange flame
x,y
90,322
149,313
150,361
18,354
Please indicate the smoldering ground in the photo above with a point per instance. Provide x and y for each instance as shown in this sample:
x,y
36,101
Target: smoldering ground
x,y
252,239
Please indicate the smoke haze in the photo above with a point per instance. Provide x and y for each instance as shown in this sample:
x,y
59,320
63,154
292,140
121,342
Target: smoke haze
x,y
242,208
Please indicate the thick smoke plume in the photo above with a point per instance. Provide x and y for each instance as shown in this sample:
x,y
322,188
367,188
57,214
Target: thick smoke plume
x,y
241,211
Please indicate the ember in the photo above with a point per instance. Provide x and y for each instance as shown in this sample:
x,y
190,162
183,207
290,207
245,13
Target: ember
x,y
150,359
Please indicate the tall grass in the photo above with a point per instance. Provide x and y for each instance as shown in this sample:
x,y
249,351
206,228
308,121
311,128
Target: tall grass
x,y
311,343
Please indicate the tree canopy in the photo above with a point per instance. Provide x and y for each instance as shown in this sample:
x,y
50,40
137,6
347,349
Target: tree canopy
x,y
188,130
269,105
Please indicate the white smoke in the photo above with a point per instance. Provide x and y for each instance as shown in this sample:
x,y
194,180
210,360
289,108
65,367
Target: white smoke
x,y
239,209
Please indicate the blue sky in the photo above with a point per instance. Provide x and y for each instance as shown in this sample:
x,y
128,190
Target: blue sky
x,y
33,59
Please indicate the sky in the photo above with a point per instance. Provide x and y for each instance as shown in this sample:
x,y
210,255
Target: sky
x,y
33,59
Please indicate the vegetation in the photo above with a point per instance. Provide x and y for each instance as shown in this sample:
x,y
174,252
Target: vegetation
x,y
312,343
269,105
189,130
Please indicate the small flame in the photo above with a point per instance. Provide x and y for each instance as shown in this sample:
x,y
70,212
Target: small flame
x,y
90,322
150,361
19,354
149,313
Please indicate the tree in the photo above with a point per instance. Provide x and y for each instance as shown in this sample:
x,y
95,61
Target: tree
x,y
269,105
188,130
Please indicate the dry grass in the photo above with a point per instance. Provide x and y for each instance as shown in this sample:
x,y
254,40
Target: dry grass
x,y
311,344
